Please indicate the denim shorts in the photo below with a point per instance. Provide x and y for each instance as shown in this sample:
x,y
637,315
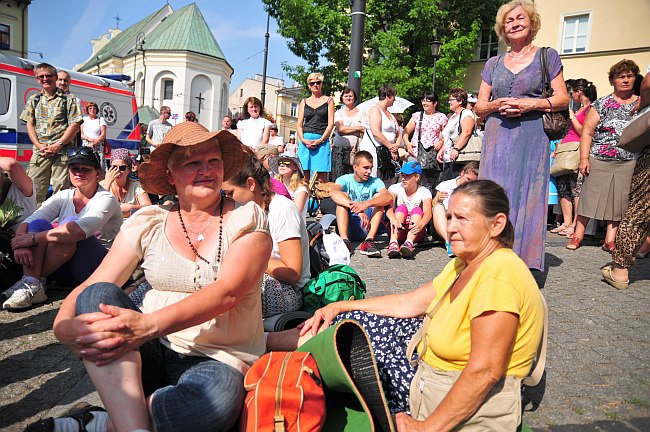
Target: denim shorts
x,y
190,393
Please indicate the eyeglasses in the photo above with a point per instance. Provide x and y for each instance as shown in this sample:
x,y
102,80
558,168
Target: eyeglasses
x,y
120,167
44,76
167,112
284,163
313,83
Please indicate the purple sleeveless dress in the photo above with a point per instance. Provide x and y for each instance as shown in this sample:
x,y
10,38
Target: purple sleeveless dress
x,y
515,153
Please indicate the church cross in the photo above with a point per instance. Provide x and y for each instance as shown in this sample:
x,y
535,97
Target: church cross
x,y
200,101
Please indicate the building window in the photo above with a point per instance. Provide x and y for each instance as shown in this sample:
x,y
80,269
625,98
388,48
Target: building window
x,y
574,34
241,93
294,109
168,89
488,45
4,37
5,86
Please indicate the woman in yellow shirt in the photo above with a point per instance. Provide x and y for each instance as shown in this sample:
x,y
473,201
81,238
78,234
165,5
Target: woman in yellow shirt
x,y
485,318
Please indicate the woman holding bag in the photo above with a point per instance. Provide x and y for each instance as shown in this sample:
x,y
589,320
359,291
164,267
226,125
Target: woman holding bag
x,y
425,126
348,129
582,92
456,134
515,150
483,328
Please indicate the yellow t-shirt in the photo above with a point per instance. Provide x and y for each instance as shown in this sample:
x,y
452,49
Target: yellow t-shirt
x,y
502,283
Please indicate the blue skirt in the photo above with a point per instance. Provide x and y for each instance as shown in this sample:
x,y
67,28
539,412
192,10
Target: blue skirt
x,y
315,159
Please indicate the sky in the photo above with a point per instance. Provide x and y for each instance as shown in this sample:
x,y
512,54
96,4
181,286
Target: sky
x,y
62,31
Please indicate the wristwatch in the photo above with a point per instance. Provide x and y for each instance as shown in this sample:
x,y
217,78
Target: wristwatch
x,y
34,242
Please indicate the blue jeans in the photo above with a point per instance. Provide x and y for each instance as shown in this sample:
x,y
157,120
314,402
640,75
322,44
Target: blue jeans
x,y
189,393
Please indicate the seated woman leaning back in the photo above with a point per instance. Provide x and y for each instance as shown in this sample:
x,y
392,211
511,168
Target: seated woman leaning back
x,y
484,320
179,363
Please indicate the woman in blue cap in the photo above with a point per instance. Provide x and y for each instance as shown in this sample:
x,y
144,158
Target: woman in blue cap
x,y
412,211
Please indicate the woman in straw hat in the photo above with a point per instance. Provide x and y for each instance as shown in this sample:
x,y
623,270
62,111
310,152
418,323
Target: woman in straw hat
x,y
178,363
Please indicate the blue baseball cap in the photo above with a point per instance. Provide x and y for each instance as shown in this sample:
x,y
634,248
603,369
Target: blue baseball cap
x,y
412,168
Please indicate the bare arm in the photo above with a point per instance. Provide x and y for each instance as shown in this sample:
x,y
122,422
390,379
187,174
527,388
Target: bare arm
x,y
405,305
467,126
300,121
339,197
289,267
102,135
492,338
408,131
18,176
301,199
589,129
265,135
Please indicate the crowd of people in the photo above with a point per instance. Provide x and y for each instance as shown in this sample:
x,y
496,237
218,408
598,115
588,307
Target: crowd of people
x,y
177,352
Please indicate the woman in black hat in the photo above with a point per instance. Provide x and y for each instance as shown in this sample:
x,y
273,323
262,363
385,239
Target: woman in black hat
x,y
71,251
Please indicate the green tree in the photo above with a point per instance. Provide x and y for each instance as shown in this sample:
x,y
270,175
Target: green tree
x,y
397,36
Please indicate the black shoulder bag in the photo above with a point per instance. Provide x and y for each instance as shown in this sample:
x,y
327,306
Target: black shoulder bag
x,y
556,124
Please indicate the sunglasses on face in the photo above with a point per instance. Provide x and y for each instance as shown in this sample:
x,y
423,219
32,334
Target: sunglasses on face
x,y
44,76
80,169
120,167
284,163
313,83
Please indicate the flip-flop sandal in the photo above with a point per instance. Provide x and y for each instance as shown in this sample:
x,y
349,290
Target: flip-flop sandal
x,y
81,413
607,275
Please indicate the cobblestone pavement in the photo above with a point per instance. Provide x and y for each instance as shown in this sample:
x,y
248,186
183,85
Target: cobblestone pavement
x,y
598,377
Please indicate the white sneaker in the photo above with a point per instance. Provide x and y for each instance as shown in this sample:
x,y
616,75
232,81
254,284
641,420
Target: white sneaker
x,y
12,289
25,295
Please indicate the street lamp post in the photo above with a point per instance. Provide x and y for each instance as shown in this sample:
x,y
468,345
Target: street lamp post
x,y
435,53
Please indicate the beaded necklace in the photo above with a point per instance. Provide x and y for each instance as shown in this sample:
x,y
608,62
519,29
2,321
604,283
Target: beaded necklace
x,y
187,236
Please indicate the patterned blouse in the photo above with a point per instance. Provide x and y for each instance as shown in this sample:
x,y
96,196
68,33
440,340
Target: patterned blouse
x,y
431,128
614,116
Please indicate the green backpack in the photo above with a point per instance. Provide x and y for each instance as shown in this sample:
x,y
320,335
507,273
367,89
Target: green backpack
x,y
335,283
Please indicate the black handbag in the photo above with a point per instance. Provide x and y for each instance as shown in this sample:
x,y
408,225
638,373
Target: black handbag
x,y
385,166
427,158
556,124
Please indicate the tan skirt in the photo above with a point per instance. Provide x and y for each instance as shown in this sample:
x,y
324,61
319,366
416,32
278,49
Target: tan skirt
x,y
605,190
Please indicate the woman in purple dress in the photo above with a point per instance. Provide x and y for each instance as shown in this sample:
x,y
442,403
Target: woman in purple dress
x,y
515,150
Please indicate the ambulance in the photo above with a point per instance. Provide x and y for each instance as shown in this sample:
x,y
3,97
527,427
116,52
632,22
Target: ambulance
x,y
115,100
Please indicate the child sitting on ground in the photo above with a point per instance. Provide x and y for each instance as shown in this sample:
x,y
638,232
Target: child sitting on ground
x,y
412,211
441,200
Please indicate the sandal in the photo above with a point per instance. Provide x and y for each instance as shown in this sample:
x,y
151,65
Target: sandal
x,y
82,413
607,275
568,231
574,244
559,228
393,250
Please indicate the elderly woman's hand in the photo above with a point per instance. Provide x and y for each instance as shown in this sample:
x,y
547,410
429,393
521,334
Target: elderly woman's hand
x,y
105,343
321,320
24,256
74,331
584,167
406,423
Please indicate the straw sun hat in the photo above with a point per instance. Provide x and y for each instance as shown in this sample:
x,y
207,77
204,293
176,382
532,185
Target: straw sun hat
x,y
153,174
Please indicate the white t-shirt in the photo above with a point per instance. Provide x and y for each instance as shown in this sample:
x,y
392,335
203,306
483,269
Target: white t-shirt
x,y
276,141
157,131
300,190
447,186
252,130
102,213
450,132
284,223
28,204
92,128
412,201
